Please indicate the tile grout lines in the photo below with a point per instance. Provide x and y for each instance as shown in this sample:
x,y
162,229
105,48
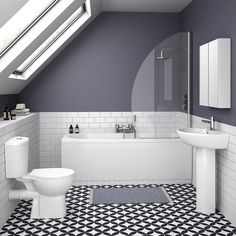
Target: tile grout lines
x,y
83,218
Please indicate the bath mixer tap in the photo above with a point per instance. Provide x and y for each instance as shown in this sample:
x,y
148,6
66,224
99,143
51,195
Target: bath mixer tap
x,y
130,128
210,121
124,129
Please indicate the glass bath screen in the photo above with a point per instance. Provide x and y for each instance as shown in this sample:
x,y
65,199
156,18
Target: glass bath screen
x,y
160,96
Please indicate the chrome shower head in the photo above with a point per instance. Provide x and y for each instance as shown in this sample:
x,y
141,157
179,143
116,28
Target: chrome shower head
x,y
161,57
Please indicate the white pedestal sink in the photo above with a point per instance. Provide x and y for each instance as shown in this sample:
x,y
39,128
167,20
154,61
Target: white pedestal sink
x,y
206,142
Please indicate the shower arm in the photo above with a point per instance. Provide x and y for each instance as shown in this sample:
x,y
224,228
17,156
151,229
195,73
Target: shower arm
x,y
171,49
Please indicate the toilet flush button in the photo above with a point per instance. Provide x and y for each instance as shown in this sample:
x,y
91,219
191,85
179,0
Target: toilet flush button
x,y
15,141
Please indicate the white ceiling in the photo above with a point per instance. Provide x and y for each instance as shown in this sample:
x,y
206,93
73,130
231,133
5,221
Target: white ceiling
x,y
145,5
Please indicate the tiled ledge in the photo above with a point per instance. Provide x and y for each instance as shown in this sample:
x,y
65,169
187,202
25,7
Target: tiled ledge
x,y
9,125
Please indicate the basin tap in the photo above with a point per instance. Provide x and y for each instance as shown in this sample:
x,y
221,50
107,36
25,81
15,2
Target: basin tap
x,y
210,121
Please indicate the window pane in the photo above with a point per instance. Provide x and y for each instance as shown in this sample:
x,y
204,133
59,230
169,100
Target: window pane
x,y
25,18
49,42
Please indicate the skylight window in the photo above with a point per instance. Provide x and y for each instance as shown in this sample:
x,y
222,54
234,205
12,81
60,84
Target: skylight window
x,y
53,43
29,28
18,26
49,42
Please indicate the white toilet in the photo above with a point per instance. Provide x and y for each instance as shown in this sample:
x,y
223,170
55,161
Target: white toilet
x,y
46,186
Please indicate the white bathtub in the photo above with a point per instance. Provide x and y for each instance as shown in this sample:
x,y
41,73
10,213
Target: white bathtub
x,y
110,159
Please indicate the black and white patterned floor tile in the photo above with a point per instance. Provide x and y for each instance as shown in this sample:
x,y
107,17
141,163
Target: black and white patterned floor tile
x,y
178,218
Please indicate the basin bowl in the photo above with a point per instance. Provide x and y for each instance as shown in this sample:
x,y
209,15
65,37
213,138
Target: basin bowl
x,y
204,138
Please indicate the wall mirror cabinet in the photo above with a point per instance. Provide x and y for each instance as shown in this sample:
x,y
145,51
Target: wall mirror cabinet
x,y
215,74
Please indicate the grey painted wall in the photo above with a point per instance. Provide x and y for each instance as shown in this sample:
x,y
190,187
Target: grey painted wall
x,y
209,20
9,100
97,70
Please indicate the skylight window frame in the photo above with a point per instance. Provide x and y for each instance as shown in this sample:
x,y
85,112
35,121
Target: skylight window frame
x,y
20,72
73,29
36,36
28,28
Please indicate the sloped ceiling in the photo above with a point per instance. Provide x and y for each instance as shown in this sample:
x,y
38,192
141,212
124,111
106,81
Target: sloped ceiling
x,y
13,86
145,5
10,7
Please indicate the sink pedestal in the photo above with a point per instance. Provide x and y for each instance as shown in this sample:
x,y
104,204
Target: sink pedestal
x,y
206,180
206,142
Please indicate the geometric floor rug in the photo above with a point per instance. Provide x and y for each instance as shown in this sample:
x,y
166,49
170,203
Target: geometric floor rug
x,y
128,195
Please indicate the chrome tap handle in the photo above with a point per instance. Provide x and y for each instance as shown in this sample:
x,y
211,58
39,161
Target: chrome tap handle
x,y
117,127
212,120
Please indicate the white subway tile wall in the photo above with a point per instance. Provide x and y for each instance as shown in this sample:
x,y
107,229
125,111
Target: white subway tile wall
x,y
24,126
53,125
226,170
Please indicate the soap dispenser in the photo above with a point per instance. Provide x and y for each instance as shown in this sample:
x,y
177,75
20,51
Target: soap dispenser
x,y
77,129
71,129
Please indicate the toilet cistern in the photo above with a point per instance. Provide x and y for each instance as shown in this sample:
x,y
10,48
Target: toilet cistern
x,y
45,186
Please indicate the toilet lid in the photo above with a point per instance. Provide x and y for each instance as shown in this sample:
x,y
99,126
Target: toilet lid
x,y
51,173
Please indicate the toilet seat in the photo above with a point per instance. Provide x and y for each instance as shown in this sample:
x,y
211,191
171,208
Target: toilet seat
x,y
50,173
